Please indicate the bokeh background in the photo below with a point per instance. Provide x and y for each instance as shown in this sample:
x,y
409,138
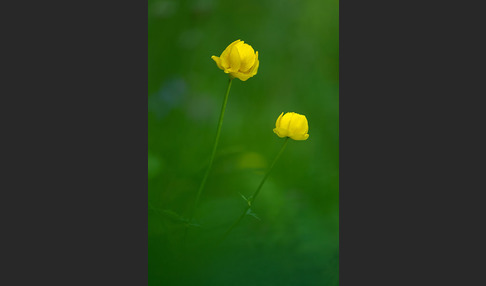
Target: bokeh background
x,y
295,241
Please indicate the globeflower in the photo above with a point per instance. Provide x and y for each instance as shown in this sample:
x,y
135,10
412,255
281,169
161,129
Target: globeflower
x,y
292,125
288,125
239,60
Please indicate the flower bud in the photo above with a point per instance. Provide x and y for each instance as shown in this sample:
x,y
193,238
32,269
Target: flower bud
x,y
239,60
292,125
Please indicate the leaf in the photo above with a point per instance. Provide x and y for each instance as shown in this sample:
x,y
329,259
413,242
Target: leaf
x,y
251,213
173,216
243,196
248,200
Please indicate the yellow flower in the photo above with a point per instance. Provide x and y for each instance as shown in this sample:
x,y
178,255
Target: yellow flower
x,y
292,125
239,60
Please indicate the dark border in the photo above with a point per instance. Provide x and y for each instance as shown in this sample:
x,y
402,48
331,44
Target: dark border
x,y
84,69
407,191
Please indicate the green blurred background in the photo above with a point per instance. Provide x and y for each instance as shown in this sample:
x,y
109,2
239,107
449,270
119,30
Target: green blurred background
x,y
296,240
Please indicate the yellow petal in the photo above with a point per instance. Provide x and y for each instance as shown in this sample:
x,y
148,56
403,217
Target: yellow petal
x,y
286,120
277,124
234,60
247,55
300,137
226,51
282,133
218,62
241,76
298,124
254,69
225,62
225,55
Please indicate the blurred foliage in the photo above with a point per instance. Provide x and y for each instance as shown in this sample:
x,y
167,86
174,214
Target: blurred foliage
x,y
296,241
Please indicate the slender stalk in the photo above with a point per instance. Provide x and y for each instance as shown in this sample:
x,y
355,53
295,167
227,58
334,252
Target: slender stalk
x,y
237,222
213,154
253,197
251,200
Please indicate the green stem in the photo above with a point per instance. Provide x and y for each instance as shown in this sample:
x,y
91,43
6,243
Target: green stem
x,y
213,154
253,197
251,200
